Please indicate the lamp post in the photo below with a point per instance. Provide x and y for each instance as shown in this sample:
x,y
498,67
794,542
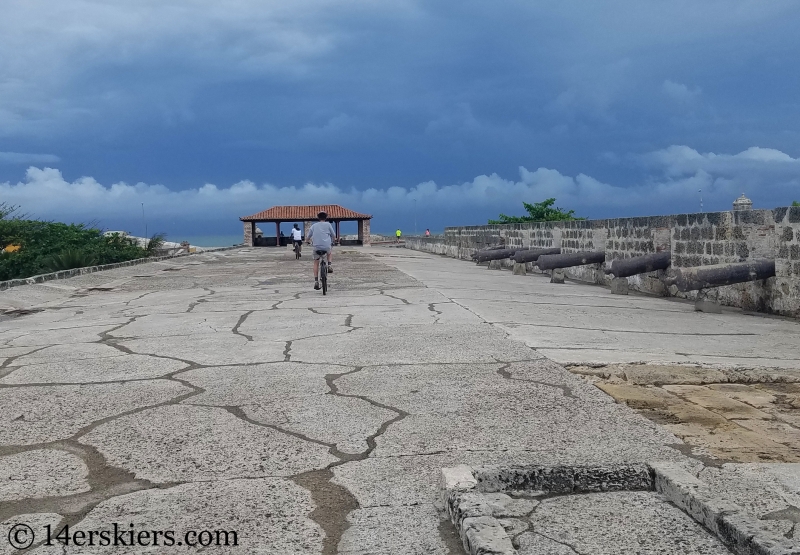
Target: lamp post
x,y
144,221
415,216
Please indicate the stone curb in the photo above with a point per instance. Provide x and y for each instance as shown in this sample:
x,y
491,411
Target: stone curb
x,y
64,274
463,490
730,523
470,513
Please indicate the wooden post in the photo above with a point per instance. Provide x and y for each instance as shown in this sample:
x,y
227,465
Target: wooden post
x,y
277,234
337,228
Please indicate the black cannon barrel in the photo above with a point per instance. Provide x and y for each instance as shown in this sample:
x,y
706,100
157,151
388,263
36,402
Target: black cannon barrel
x,y
487,249
496,254
625,267
717,275
533,255
553,261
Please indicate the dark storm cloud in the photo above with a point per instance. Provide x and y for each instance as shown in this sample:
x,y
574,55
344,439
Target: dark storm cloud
x,y
387,95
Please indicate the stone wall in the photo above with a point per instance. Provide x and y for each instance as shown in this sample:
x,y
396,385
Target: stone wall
x,y
694,240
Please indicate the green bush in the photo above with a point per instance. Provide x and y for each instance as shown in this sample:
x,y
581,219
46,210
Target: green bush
x,y
69,259
539,212
52,246
795,203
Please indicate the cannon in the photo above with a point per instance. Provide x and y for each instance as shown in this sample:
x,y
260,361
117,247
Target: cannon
x,y
498,254
717,275
475,255
625,267
555,261
532,255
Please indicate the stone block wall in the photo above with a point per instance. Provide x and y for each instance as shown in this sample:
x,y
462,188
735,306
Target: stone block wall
x,y
248,233
693,239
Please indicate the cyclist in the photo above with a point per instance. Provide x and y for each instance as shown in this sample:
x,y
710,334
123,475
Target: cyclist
x,y
297,237
324,236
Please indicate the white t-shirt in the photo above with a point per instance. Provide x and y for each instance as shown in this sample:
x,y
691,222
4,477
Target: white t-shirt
x,y
297,235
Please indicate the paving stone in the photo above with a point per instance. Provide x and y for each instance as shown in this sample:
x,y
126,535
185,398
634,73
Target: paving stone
x,y
531,543
622,522
412,344
210,349
294,397
653,374
749,395
394,531
269,516
201,443
41,473
292,324
769,492
176,325
461,407
40,414
66,336
116,368
65,353
716,401
37,523
504,506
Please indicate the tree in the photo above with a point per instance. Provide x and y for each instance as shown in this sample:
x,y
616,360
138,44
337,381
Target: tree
x,y
795,203
539,212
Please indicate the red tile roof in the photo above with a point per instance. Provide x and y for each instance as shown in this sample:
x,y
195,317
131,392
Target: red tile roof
x,y
289,213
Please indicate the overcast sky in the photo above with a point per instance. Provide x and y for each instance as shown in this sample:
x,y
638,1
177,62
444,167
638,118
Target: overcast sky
x,y
206,110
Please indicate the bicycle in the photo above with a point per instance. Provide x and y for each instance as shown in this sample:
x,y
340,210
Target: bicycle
x,y
297,249
323,270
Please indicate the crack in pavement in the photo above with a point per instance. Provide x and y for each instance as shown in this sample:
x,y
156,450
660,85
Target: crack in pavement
x,y
568,546
6,368
334,502
105,480
242,318
432,309
567,391
385,294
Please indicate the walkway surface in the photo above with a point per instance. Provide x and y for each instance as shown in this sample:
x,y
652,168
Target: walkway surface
x,y
220,392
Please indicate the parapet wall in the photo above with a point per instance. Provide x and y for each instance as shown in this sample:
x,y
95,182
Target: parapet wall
x,y
693,239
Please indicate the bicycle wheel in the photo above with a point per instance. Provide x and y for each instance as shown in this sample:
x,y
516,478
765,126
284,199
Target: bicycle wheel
x,y
323,276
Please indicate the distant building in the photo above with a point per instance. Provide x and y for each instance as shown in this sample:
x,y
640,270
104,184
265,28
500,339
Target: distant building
x,y
305,214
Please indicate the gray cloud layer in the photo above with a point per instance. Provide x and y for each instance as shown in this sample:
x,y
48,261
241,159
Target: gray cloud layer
x,y
680,173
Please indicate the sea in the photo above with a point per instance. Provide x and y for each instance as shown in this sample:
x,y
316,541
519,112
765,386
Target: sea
x,y
210,240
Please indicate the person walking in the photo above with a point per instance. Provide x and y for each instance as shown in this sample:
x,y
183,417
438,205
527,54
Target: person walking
x,y
397,234
427,233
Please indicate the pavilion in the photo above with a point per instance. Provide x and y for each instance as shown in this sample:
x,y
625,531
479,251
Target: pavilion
x,y
307,215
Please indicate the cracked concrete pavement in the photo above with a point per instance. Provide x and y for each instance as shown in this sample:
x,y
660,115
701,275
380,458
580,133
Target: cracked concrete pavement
x,y
220,391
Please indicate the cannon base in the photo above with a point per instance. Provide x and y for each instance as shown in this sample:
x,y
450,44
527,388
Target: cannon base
x,y
619,286
519,269
708,301
557,275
